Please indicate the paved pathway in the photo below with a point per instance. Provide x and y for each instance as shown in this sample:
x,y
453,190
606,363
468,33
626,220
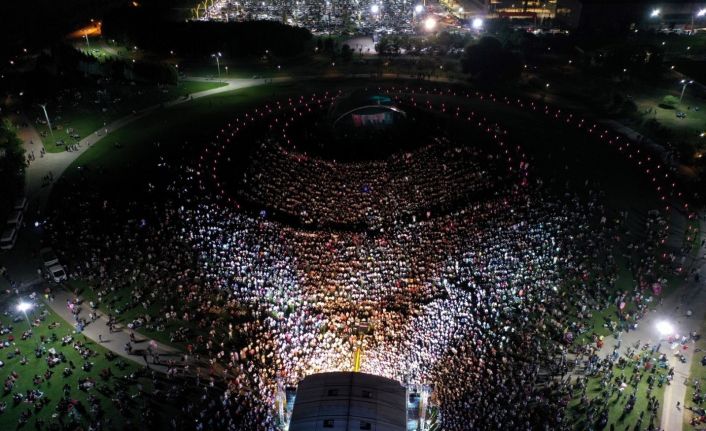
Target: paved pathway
x,y
115,341
673,309
23,262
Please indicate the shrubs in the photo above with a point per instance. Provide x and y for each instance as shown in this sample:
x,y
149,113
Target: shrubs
x,y
669,102
12,167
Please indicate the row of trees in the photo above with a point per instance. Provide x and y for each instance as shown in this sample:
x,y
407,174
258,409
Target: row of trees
x,y
147,28
12,166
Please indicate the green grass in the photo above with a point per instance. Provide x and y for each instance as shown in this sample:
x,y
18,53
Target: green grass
x,y
697,371
616,406
86,117
53,387
116,303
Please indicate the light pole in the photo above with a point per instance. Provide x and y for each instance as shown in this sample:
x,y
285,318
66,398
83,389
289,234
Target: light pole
x,y
656,13
218,62
44,108
88,45
699,14
23,307
684,83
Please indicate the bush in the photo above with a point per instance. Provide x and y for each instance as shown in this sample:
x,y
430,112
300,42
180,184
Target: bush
x,y
12,167
489,62
670,100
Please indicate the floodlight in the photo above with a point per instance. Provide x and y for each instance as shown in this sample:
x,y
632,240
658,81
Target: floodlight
x,y
24,306
430,24
477,23
665,328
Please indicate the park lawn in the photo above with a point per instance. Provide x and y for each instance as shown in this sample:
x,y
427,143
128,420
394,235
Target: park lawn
x,y
688,129
86,116
617,406
53,387
697,371
125,315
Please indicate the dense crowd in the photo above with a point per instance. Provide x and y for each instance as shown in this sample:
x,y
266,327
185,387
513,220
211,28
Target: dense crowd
x,y
480,302
436,177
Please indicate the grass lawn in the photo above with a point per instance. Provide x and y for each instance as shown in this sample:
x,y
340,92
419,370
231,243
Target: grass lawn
x,y
687,129
86,116
46,336
116,303
616,406
697,372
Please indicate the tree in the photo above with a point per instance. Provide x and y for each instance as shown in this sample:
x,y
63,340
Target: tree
x,y
670,101
489,62
346,53
12,166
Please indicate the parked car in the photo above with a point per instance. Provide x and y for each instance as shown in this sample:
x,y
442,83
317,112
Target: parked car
x,y
15,219
8,238
57,273
48,256
20,204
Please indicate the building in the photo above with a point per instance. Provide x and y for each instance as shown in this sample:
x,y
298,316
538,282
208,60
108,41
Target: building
x,y
349,401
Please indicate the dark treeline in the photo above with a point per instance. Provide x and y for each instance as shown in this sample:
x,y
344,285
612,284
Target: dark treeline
x,y
146,28
12,167
36,23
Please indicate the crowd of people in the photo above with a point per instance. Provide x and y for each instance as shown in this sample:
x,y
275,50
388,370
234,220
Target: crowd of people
x,y
479,302
438,176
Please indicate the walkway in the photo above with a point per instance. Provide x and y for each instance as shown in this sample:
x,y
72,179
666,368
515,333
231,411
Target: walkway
x,y
116,341
23,262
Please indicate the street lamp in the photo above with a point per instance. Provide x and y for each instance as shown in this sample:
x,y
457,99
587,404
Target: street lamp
x,y
23,307
44,108
684,83
665,328
699,14
218,62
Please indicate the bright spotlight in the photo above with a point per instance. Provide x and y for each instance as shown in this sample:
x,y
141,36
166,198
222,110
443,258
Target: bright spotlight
x,y
430,24
375,8
701,13
418,9
665,328
23,306
655,13
477,23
